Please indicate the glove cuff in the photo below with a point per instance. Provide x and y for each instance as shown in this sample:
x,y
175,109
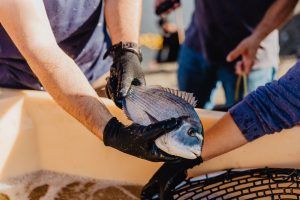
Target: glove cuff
x,y
198,161
122,47
111,131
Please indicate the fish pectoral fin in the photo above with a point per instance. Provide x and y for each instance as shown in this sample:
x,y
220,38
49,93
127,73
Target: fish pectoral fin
x,y
186,96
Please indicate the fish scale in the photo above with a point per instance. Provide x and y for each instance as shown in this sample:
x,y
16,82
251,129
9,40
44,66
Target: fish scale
x,y
147,105
167,101
177,100
183,110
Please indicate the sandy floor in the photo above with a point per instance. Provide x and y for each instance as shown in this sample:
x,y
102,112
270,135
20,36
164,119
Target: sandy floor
x,y
45,185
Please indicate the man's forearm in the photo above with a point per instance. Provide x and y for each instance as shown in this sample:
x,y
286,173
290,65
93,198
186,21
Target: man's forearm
x,y
123,18
68,86
267,110
223,137
27,25
275,16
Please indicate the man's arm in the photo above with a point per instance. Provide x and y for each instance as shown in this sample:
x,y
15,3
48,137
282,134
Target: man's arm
x,y
275,16
123,18
214,143
267,110
27,24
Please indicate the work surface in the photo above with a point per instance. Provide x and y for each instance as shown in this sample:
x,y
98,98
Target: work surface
x,y
36,134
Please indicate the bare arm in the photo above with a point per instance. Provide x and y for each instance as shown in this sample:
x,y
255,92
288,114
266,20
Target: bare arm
x,y
215,144
27,24
267,110
223,137
275,16
123,19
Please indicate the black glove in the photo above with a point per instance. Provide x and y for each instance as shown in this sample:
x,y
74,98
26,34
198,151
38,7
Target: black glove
x,y
165,6
166,178
138,140
125,71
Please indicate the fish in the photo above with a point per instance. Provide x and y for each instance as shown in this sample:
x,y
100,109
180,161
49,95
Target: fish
x,y
146,105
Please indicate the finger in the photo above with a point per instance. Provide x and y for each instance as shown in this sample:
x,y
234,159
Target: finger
x,y
165,7
234,54
111,91
142,81
150,190
125,84
161,156
247,69
166,189
158,129
158,2
248,63
239,68
139,80
176,5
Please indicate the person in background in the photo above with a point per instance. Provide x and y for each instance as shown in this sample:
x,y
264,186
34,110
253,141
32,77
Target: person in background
x,y
170,48
226,39
267,110
59,45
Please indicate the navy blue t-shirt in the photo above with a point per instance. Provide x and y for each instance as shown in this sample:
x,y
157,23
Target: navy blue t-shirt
x,y
270,108
218,26
79,29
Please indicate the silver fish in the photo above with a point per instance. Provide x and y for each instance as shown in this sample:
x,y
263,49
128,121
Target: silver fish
x,y
147,105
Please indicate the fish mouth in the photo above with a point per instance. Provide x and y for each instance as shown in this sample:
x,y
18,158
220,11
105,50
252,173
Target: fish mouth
x,y
192,155
196,152
199,137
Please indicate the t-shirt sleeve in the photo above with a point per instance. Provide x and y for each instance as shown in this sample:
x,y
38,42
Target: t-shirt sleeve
x,y
270,108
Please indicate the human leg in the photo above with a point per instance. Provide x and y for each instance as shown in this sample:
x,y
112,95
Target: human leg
x,y
196,75
257,77
228,79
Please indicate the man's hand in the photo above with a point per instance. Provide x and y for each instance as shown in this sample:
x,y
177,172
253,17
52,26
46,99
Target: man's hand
x,y
247,49
138,140
275,16
167,177
163,7
125,71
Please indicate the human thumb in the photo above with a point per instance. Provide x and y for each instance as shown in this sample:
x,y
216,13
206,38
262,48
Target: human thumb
x,y
235,53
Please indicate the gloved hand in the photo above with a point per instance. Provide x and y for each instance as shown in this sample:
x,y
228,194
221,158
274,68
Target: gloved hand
x,y
166,178
125,71
166,6
138,140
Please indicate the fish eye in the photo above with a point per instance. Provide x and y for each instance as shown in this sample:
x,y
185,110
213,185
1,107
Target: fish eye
x,y
191,132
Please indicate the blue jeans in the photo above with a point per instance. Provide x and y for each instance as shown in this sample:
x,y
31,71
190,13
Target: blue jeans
x,y
197,76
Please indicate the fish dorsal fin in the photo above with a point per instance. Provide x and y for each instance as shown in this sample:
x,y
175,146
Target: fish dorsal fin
x,y
186,96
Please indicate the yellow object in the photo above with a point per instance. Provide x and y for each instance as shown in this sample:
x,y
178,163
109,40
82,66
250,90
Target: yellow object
x,y
36,134
238,84
151,41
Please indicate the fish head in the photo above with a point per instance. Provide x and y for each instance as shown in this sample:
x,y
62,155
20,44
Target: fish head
x,y
186,141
